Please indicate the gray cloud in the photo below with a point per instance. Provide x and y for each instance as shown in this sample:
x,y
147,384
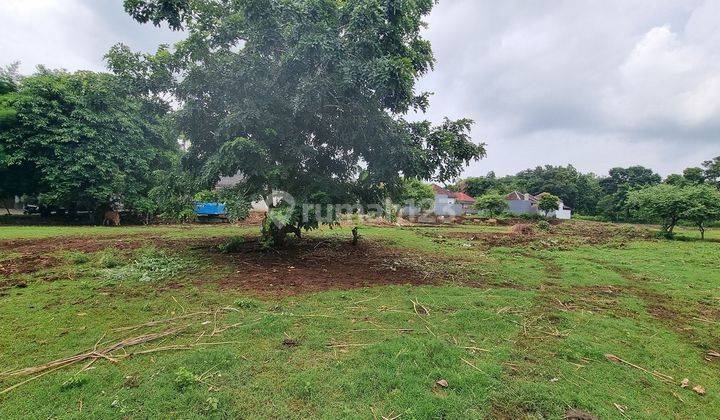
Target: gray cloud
x,y
593,83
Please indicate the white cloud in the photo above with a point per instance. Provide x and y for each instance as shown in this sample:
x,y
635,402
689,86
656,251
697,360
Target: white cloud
x,y
44,31
667,82
70,34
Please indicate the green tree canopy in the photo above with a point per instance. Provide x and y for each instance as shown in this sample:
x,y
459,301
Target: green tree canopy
x,y
703,206
493,204
626,179
712,171
548,203
303,96
577,190
694,175
417,193
618,184
478,186
663,203
81,139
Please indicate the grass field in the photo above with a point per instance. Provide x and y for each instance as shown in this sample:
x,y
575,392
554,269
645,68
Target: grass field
x,y
516,325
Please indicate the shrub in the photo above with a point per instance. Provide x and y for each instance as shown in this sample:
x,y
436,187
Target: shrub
x,y
149,266
235,244
247,303
109,259
185,379
78,258
543,225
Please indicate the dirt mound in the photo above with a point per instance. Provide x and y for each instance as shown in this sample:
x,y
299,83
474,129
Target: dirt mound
x,y
315,266
523,229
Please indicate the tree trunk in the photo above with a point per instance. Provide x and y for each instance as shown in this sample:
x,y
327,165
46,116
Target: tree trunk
x,y
702,231
356,236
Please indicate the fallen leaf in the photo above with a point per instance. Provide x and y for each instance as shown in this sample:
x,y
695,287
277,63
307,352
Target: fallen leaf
x,y
713,353
699,390
443,383
685,383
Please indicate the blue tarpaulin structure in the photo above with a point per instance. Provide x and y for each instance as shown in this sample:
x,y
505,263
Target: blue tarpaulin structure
x,y
209,209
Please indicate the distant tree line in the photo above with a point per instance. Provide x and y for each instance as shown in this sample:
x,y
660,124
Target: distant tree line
x,y
606,197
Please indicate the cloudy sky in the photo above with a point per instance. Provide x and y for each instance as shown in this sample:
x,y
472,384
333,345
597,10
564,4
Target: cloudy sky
x,y
596,84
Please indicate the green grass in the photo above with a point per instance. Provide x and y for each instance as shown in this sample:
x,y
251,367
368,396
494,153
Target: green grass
x,y
528,341
188,231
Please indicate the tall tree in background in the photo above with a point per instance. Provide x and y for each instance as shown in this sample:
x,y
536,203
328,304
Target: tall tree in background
x,y
580,192
712,171
303,96
81,139
481,185
694,175
634,177
618,184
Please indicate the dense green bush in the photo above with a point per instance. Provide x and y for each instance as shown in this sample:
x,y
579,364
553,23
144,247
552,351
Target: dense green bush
x,y
235,244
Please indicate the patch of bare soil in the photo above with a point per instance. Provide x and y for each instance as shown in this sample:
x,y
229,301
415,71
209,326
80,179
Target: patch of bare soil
x,y
73,243
485,239
314,265
26,264
36,254
601,233
562,235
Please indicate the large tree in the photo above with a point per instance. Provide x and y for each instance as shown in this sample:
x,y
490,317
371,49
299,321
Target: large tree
x,y
625,179
663,203
303,96
703,206
81,139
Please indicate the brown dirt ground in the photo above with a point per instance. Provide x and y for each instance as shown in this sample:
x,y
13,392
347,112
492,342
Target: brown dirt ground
x,y
307,266
72,243
485,239
26,264
34,254
317,265
562,233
